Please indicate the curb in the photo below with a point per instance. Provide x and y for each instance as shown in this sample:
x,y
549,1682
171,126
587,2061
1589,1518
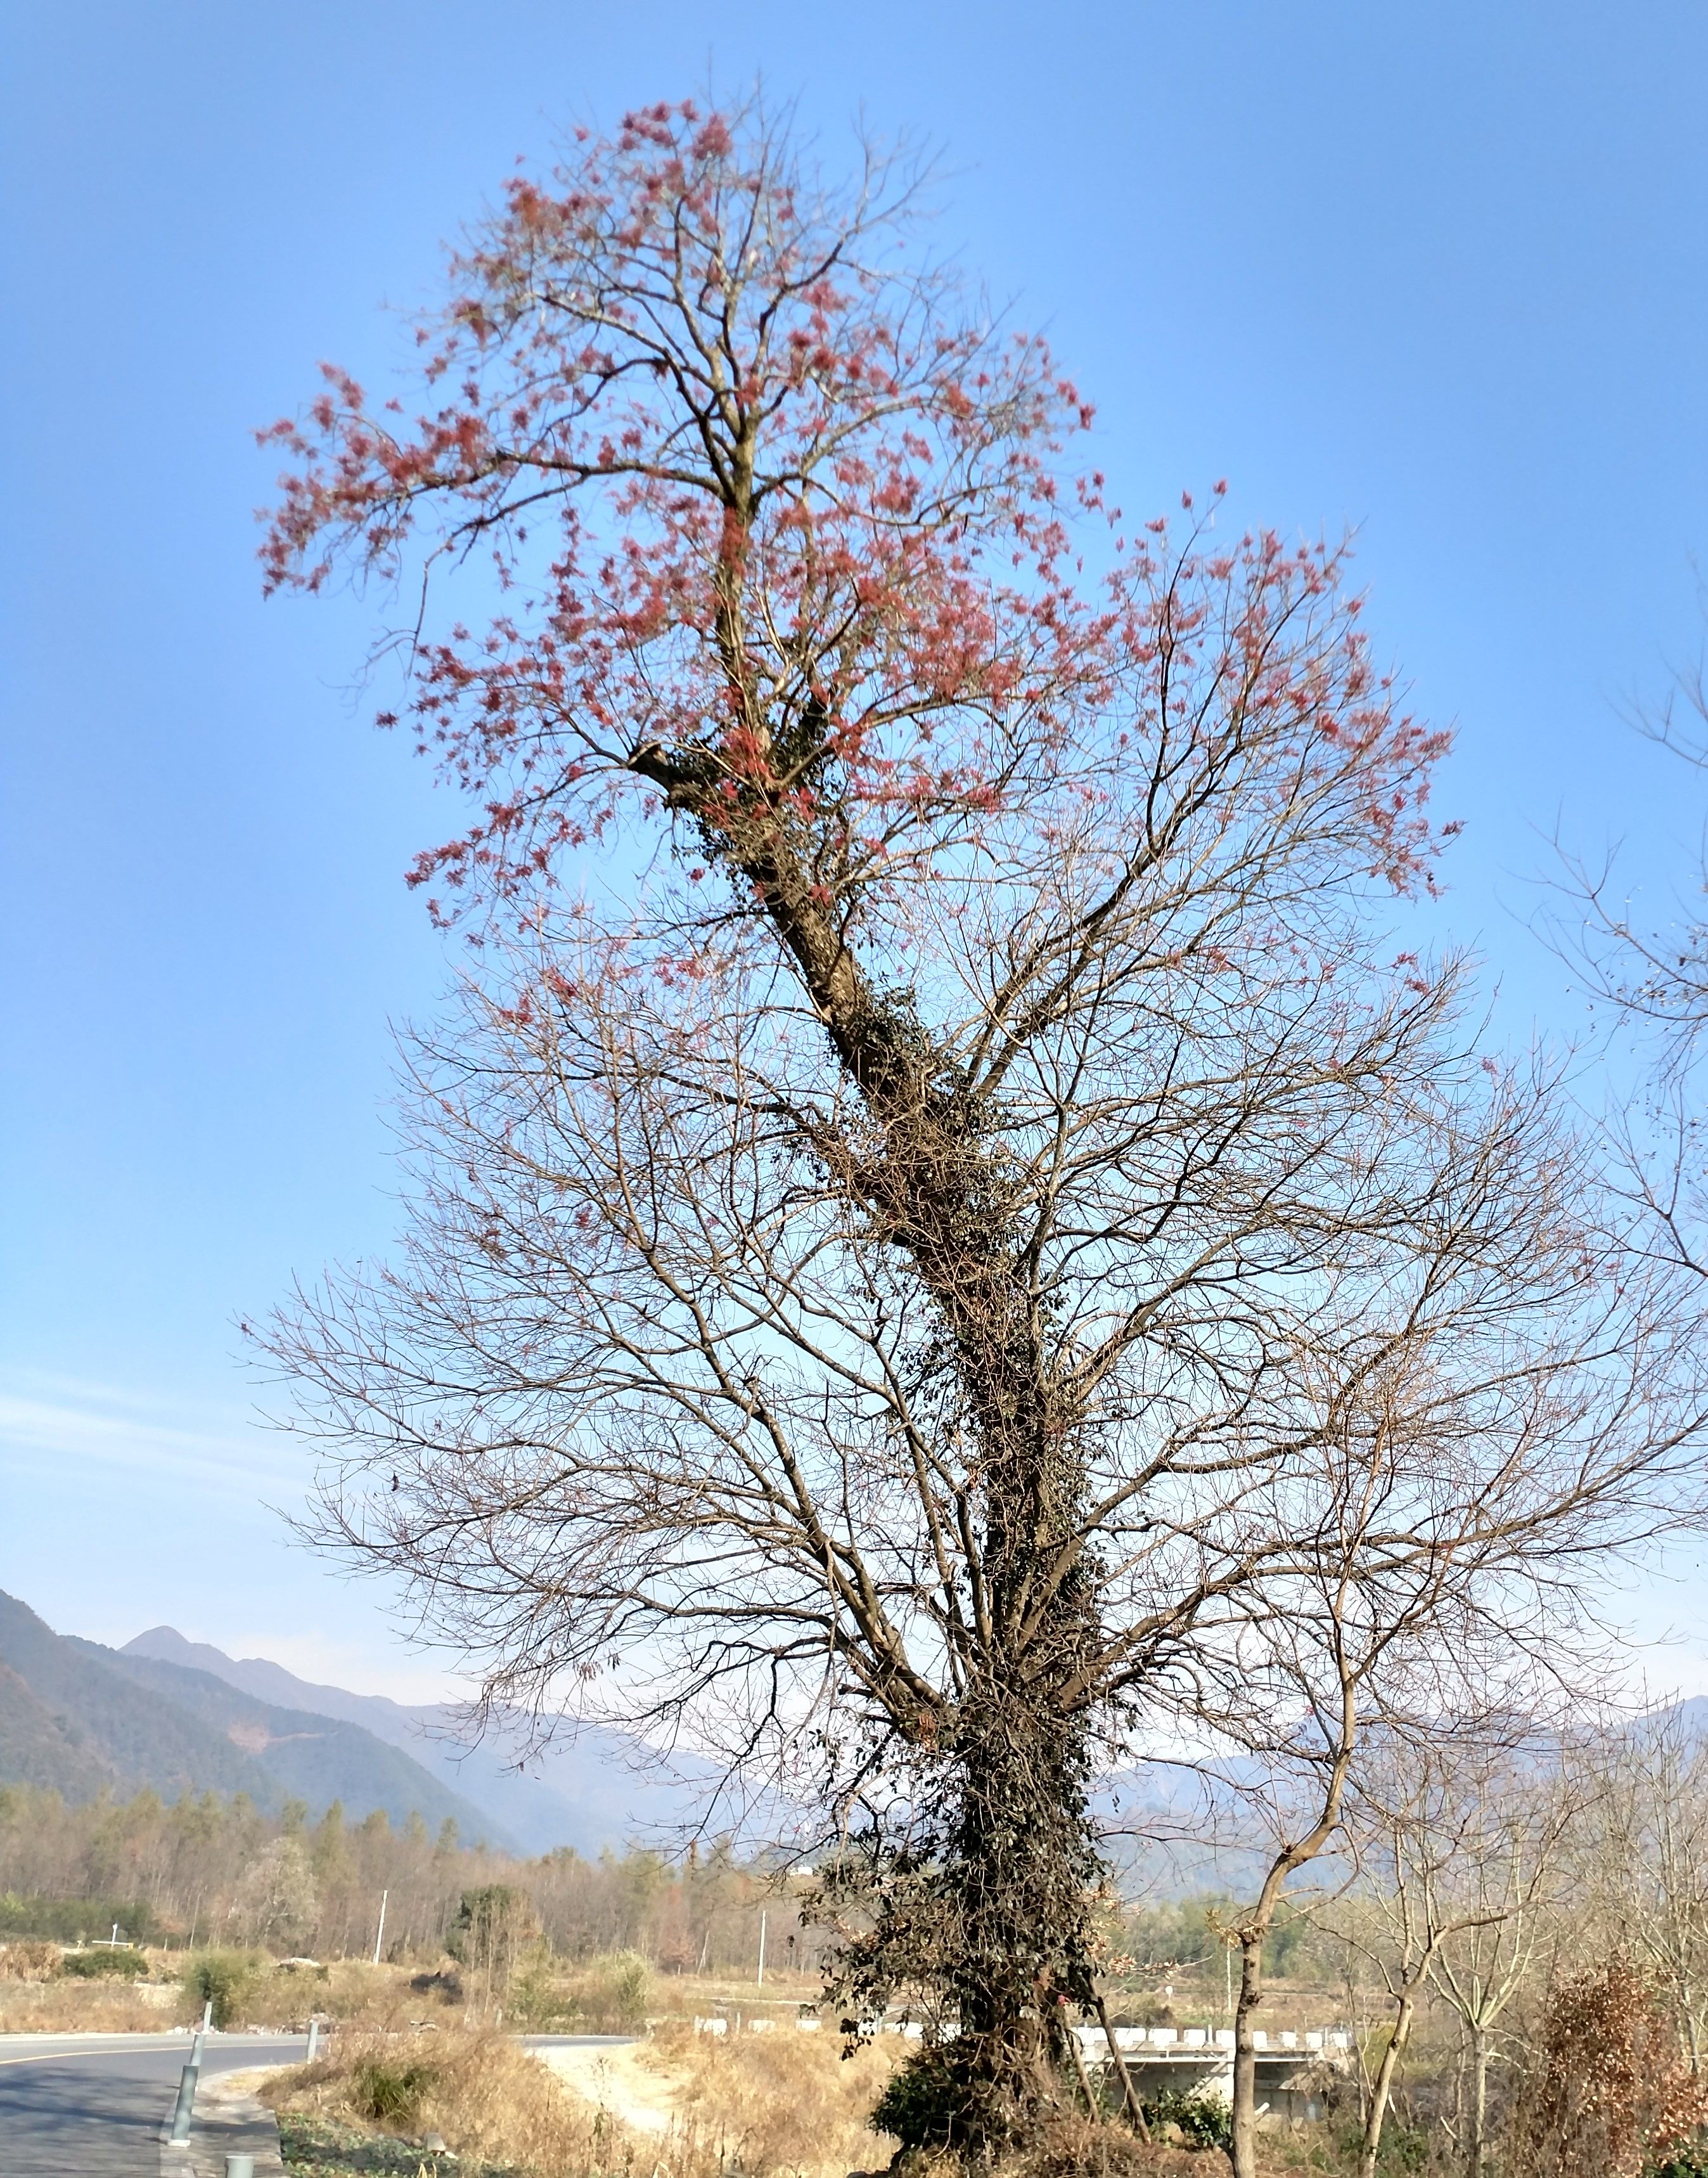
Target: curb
x,y
229,2120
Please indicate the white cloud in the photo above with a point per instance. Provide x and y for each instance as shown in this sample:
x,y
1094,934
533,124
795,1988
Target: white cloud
x,y
168,1500
47,1421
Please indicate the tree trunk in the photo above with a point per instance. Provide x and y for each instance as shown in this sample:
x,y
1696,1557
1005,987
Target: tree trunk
x,y
1130,2098
1019,1852
1021,1868
1479,2103
1017,1857
1243,2146
1380,2093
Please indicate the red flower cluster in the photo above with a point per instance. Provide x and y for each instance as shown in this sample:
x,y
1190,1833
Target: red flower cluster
x,y
778,535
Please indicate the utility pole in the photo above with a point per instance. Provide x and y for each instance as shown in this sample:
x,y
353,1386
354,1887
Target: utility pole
x,y
762,1949
379,1933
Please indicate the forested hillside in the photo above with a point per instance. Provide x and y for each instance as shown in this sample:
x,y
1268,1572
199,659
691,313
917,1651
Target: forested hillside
x,y
79,1719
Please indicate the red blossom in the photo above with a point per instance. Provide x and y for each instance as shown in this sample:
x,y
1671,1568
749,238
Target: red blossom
x,y
778,519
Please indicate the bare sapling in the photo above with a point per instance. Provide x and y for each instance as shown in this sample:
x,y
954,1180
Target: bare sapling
x,y
1642,1853
1497,1896
1420,1839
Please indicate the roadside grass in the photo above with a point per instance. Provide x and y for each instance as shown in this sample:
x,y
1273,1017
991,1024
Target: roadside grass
x,y
492,2103
782,2105
323,2148
71,2006
769,2106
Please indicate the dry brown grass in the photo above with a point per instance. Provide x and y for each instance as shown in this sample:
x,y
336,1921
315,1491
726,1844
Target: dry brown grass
x,y
26,1959
783,1995
36,1997
359,1994
779,2105
486,2096
770,2106
1074,2146
87,2007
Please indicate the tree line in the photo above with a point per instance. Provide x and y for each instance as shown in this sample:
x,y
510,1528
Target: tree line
x,y
204,1871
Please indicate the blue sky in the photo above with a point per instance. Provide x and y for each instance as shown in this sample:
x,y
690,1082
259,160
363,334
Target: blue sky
x,y
1440,273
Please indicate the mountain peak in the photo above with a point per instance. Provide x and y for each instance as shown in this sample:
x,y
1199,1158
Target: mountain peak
x,y
166,1646
168,1713
591,1790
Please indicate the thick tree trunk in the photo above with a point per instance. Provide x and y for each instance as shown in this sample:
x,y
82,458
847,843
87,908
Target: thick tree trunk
x,y
1018,1860
1022,1865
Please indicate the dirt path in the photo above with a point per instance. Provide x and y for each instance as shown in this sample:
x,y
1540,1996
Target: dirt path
x,y
636,2091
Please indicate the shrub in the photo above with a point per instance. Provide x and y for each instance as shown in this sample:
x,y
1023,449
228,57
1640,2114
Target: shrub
x,y
607,1996
1067,2145
105,1966
22,1960
227,1980
388,2092
1613,2093
1205,2120
923,2101
614,1991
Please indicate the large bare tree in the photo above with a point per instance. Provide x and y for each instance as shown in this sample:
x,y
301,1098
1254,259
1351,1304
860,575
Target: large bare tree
x,y
943,1237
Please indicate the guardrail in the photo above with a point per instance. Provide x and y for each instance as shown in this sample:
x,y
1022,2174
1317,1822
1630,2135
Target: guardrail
x,y
1196,2044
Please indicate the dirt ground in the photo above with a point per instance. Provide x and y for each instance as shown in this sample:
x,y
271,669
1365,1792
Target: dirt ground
x,y
630,2083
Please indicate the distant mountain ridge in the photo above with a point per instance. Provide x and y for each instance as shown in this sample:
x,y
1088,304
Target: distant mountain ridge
x,y
81,1718
593,1788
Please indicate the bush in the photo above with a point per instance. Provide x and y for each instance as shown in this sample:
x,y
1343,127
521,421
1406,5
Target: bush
x,y
21,1960
105,1966
1205,2120
227,1980
387,2093
1068,2146
614,1991
608,1995
923,2102
1609,2089
1684,2162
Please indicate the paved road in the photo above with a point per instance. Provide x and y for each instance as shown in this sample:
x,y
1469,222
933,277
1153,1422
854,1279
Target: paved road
x,y
75,2106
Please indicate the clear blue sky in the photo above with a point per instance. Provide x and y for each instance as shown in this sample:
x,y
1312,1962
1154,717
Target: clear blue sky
x,y
1439,272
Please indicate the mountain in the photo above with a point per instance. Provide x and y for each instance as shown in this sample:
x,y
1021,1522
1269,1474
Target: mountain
x,y
87,1721
83,1719
599,1787
37,1747
592,1787
317,1758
